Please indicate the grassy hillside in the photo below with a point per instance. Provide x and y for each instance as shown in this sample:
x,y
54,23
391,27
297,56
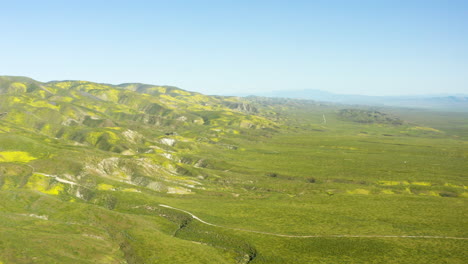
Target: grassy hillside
x,y
84,168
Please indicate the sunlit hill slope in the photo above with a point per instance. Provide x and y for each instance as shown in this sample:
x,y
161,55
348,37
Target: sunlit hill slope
x,y
85,168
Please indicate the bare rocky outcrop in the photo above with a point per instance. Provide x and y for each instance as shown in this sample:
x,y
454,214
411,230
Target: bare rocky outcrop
x,y
241,107
168,141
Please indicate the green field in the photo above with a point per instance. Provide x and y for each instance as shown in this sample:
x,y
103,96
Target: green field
x,y
84,168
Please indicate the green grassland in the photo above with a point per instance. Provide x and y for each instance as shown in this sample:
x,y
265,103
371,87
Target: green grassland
x,y
84,168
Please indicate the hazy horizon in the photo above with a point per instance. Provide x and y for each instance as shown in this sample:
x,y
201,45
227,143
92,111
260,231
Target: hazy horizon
x,y
261,93
213,47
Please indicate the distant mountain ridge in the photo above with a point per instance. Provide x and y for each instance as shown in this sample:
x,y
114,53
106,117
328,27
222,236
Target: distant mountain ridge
x,y
438,102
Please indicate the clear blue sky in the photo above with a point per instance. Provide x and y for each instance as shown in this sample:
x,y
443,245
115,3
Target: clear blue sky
x,y
373,47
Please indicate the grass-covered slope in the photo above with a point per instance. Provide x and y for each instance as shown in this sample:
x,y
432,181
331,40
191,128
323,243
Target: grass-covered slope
x,y
84,168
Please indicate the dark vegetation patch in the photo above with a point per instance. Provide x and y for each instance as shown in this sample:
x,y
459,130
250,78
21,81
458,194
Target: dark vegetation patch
x,y
368,117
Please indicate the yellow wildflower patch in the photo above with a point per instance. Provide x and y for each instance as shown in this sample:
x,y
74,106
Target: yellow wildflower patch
x,y
43,103
17,87
422,183
54,190
408,190
15,156
454,185
358,191
41,183
389,183
16,99
105,187
8,184
430,129
388,192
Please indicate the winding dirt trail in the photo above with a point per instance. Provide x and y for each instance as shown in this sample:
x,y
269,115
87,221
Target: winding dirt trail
x,y
309,236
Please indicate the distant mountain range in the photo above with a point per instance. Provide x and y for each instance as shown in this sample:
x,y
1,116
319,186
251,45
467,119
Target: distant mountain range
x,y
440,102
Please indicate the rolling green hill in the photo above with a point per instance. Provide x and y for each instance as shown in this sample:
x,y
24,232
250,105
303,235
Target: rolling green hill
x,y
137,173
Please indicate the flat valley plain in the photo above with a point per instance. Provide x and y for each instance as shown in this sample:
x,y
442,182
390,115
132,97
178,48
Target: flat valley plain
x,y
96,173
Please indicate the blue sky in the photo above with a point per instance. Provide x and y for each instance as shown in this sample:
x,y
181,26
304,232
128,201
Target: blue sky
x,y
227,47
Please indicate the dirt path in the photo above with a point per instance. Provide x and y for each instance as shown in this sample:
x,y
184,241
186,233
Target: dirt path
x,y
309,236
